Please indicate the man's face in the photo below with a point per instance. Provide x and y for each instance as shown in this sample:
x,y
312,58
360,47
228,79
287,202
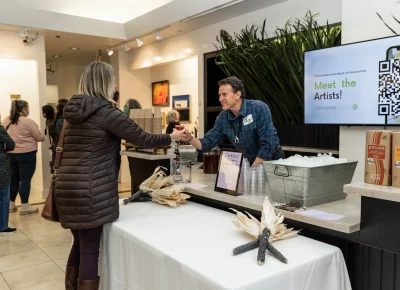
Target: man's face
x,y
227,97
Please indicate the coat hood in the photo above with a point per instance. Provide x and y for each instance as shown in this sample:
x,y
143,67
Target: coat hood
x,y
80,107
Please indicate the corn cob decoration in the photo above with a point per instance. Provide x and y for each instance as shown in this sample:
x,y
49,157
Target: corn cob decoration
x,y
269,229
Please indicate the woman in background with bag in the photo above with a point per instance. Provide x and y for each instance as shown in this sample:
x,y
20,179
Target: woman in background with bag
x,y
86,190
6,144
26,134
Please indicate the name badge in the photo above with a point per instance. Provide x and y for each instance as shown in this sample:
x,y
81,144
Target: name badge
x,y
248,120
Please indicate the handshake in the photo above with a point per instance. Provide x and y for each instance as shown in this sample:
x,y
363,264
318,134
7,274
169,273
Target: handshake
x,y
180,134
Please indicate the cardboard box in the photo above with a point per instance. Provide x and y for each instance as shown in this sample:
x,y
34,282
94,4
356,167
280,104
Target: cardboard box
x,y
378,158
396,159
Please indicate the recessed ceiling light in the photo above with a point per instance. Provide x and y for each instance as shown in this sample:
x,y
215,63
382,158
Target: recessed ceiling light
x,y
57,56
74,48
188,50
157,58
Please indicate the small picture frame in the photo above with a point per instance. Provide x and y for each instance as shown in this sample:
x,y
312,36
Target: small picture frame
x,y
228,175
160,93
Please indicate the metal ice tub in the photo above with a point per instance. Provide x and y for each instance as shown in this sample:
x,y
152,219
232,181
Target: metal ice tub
x,y
308,186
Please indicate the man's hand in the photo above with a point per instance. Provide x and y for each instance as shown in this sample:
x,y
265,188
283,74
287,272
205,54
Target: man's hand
x,y
257,162
187,136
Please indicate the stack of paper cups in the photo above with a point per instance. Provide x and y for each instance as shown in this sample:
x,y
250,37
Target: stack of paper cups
x,y
157,121
148,121
243,187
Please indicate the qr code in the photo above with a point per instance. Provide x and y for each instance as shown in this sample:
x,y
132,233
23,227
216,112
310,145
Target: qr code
x,y
389,87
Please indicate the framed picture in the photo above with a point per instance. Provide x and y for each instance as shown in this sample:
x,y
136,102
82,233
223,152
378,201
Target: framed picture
x,y
160,93
15,97
228,176
182,105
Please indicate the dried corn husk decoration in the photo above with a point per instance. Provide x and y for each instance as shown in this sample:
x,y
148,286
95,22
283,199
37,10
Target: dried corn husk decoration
x,y
269,220
269,229
162,189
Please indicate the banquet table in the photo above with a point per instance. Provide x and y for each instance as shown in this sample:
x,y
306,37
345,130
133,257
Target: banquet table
x,y
155,247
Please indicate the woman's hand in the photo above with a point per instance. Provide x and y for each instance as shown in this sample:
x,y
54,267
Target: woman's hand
x,y
188,136
178,135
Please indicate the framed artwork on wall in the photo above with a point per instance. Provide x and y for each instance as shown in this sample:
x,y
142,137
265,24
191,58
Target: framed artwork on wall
x,y
160,93
182,105
15,97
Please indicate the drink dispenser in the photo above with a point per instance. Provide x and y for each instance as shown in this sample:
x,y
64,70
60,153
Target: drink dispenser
x,y
211,161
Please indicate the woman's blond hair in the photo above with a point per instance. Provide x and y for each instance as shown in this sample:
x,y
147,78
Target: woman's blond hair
x,y
172,116
98,80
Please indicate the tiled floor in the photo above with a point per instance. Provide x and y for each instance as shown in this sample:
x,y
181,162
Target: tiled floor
x,y
34,258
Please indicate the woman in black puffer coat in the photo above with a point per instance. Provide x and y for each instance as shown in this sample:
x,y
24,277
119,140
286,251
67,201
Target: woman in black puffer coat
x,y
86,194
6,144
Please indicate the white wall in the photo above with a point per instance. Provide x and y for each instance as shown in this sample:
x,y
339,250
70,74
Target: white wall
x,y
360,22
12,48
202,40
66,78
183,80
52,94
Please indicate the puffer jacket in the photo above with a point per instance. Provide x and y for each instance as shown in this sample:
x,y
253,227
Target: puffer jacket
x,y
6,144
86,193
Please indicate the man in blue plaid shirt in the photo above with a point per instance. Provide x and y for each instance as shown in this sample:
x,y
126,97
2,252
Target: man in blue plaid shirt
x,y
246,123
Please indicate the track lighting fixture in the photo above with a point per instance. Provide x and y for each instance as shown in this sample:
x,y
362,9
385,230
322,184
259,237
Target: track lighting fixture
x,y
126,48
159,37
139,42
110,51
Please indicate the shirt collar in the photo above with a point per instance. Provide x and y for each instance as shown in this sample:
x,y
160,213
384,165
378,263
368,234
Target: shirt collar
x,y
242,111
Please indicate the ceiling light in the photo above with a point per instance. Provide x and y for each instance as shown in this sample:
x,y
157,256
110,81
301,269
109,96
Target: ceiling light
x,y
157,58
57,56
159,36
126,48
23,33
139,42
188,50
110,51
74,48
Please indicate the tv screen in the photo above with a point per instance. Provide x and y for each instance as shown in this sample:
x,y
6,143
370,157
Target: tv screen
x,y
353,84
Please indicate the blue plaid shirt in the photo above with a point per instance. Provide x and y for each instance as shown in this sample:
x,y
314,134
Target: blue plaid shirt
x,y
257,138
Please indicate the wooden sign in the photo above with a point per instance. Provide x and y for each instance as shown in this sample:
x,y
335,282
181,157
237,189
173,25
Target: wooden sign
x,y
229,169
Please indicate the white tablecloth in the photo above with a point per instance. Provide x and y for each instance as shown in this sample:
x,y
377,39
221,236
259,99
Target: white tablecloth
x,y
154,247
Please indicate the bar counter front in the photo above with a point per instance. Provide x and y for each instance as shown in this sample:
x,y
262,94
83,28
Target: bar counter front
x,y
368,235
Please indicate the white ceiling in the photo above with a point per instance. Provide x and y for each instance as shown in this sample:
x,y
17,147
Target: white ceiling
x,y
119,11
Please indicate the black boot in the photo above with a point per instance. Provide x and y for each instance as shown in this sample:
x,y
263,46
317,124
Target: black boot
x,y
71,278
88,284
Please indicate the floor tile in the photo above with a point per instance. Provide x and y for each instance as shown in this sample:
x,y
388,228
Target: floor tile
x,y
62,263
3,284
38,232
33,276
31,223
17,236
58,252
58,284
20,260
53,239
16,246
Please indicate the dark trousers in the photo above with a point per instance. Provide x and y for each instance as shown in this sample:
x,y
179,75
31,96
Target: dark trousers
x,y
23,166
4,207
85,252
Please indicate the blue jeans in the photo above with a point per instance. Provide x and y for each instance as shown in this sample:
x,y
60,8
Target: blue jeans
x,y
23,166
4,207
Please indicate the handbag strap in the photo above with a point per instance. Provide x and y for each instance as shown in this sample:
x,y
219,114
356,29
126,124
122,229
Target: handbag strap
x,y
60,148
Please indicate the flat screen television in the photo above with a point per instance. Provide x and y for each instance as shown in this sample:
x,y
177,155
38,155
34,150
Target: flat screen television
x,y
353,84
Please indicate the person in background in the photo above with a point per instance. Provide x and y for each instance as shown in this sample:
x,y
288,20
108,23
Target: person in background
x,y
246,123
172,119
49,114
26,134
92,139
6,144
131,104
60,116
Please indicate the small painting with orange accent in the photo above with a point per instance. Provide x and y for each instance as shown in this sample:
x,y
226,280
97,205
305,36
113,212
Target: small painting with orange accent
x,y
160,91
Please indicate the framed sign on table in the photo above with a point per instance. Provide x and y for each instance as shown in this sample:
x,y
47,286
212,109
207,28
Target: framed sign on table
x,y
229,169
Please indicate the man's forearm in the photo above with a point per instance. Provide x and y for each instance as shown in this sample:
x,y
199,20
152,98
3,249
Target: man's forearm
x,y
196,143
